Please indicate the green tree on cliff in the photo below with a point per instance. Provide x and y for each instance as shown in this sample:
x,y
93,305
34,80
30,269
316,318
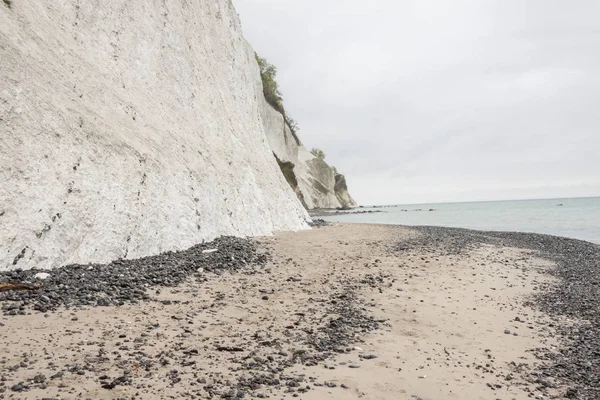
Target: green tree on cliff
x,y
318,153
268,75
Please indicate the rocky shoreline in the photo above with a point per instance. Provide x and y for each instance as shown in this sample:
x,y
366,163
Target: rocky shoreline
x,y
330,212
576,296
188,338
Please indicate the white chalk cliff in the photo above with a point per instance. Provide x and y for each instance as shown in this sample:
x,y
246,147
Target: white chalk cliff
x,y
313,180
128,128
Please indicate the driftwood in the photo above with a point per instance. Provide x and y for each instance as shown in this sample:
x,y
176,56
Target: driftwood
x,y
5,287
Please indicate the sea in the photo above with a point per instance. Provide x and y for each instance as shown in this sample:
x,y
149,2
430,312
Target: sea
x,y
577,218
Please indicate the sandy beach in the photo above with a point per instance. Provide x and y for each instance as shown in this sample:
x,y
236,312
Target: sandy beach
x,y
338,312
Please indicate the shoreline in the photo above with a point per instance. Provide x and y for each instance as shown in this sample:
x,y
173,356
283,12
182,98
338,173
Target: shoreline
x,y
341,311
474,230
333,212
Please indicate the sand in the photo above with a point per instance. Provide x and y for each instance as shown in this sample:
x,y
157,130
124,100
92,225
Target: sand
x,y
442,333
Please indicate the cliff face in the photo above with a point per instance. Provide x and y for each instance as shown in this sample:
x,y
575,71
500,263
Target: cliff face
x,y
341,191
128,128
315,181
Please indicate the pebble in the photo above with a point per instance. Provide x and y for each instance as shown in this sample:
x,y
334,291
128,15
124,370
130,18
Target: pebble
x,y
17,388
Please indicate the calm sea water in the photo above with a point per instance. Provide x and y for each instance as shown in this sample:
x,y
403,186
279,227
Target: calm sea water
x,y
577,218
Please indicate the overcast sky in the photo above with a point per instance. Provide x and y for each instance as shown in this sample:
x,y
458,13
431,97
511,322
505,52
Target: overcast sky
x,y
432,101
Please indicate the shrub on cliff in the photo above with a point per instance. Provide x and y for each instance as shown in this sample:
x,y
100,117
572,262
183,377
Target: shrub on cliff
x,y
268,75
318,153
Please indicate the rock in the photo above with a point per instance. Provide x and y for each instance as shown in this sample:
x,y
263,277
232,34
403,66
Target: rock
x,y
571,393
17,388
507,332
318,223
42,275
368,357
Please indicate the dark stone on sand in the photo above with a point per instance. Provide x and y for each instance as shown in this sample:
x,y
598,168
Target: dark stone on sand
x,y
368,357
17,388
318,223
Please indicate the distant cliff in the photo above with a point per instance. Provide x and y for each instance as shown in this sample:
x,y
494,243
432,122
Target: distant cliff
x,y
315,183
128,128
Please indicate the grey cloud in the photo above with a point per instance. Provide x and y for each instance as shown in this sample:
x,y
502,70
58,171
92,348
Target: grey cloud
x,y
436,100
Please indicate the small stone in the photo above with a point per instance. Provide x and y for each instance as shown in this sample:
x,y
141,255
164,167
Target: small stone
x,y
17,388
42,276
265,297
506,332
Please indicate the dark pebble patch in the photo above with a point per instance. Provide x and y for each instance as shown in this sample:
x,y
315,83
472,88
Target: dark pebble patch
x,y
124,281
318,223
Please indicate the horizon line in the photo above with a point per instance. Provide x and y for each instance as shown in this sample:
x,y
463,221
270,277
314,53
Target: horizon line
x,y
481,201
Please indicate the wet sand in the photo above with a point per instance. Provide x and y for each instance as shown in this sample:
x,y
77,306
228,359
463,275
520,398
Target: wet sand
x,y
338,312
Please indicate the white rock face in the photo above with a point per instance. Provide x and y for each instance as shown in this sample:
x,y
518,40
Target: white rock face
x,y
128,128
316,180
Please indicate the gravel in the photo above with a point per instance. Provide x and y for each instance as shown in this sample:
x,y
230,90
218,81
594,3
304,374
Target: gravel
x,y
576,296
129,281
348,324
318,223
576,365
124,281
